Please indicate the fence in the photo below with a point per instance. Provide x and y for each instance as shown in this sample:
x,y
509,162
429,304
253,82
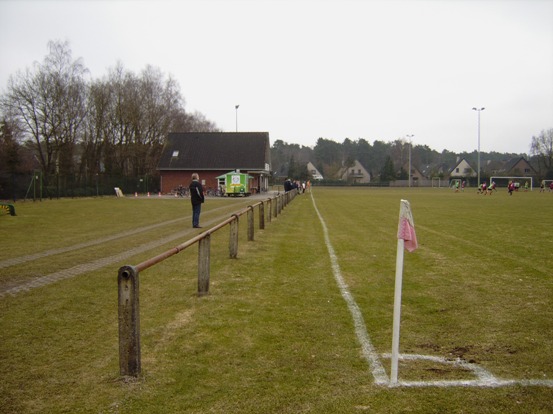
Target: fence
x,y
128,276
37,186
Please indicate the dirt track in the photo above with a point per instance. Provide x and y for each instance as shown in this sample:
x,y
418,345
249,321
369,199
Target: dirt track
x,y
81,268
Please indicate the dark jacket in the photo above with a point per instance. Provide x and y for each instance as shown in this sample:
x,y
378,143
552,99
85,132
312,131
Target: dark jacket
x,y
287,186
196,193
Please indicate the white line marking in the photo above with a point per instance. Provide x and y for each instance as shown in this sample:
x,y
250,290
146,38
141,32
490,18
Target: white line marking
x,y
379,374
484,377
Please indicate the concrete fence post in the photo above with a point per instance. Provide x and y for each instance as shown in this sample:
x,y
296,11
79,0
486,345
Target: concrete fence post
x,y
129,322
204,247
250,223
233,240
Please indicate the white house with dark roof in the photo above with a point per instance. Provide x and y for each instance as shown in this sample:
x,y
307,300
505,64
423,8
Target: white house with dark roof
x,y
312,170
462,170
354,174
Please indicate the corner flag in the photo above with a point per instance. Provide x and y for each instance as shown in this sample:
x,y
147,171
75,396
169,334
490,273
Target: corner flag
x,y
406,238
406,226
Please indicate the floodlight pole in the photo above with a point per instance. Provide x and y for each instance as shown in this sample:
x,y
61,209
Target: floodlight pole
x,y
478,110
410,136
236,108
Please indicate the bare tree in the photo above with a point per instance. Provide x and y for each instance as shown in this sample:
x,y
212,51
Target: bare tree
x,y
542,148
48,103
116,125
96,128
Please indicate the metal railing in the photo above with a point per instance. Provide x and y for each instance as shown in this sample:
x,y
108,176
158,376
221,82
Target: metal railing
x,y
128,276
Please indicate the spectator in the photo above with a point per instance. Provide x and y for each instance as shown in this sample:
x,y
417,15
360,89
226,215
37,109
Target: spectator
x,y
197,198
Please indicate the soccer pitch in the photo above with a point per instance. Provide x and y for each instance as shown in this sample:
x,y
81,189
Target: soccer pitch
x,y
300,322
470,269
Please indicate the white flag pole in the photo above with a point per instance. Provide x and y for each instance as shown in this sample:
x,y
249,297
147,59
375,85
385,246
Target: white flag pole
x,y
397,309
406,231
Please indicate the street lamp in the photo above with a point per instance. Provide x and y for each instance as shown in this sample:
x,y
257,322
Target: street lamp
x,y
410,136
236,108
478,110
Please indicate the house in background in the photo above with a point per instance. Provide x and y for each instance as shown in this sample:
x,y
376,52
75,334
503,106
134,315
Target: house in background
x,y
312,170
518,167
355,174
416,175
462,170
211,154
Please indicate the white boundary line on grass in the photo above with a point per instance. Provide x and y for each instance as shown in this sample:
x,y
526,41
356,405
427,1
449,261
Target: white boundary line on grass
x,y
484,377
379,374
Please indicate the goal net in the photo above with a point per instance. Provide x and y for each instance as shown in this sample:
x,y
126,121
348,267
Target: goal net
x,y
521,183
436,182
455,183
546,184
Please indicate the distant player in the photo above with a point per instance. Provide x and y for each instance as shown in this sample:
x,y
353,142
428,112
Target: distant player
x,y
484,188
491,188
511,188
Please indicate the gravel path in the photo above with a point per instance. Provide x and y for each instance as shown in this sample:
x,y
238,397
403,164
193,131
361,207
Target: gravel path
x,y
12,290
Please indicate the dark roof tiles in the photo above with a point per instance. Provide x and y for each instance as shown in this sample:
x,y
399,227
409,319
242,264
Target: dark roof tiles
x,y
216,151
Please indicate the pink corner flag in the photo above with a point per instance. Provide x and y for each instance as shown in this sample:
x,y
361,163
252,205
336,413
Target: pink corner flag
x,y
406,226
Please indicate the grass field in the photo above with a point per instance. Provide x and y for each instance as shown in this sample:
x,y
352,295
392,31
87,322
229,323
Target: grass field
x,y
275,334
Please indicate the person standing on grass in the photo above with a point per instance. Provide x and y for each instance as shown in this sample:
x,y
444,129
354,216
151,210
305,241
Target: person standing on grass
x,y
197,198
511,188
287,185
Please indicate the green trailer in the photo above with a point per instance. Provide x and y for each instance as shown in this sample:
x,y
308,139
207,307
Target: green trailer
x,y
236,184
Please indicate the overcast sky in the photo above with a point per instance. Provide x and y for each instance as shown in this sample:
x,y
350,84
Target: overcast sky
x,y
304,69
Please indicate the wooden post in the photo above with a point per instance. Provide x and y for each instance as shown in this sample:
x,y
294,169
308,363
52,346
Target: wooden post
x,y
269,210
233,242
261,216
204,247
250,223
129,322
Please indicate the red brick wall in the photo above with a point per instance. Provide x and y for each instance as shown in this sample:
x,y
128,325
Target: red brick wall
x,y
172,179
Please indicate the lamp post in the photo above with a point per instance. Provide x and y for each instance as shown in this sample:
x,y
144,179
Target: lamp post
x,y
478,110
410,136
236,108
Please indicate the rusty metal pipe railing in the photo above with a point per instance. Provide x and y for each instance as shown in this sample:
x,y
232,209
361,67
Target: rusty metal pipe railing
x,y
128,277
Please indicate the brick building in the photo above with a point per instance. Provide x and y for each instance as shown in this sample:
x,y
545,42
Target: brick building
x,y
211,154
